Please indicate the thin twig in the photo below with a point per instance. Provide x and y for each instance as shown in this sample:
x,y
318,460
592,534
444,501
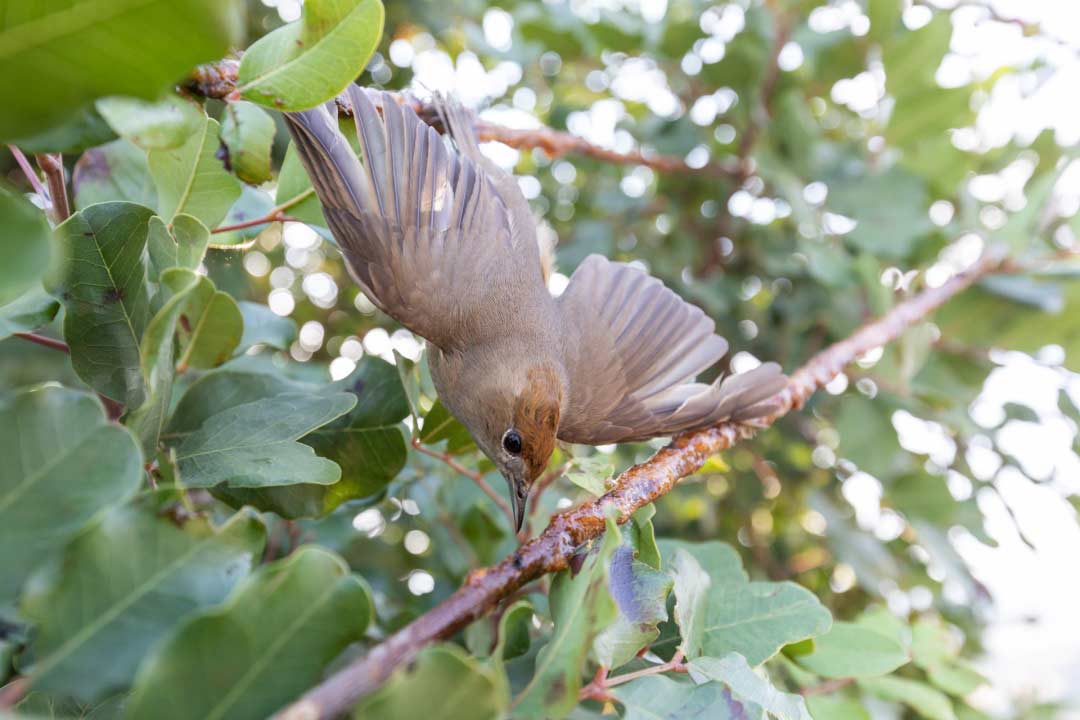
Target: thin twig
x,y
471,474
52,164
44,341
642,484
600,687
827,686
31,175
218,80
12,693
274,214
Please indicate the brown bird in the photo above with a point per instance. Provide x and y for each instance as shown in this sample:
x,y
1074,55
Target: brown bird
x,y
444,242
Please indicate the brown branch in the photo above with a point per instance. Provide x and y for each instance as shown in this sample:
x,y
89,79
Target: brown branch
x,y
52,164
638,486
218,80
600,687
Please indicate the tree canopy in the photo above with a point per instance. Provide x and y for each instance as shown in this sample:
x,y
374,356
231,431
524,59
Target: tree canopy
x,y
228,483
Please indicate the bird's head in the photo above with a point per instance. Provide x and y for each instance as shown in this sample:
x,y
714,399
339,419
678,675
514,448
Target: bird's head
x,y
514,421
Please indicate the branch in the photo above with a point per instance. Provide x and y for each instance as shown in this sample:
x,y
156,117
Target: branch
x,y
28,171
642,484
218,80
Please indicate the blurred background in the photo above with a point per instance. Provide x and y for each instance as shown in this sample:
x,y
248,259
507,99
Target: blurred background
x,y
841,155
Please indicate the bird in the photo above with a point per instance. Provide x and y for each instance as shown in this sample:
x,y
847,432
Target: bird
x,y
443,240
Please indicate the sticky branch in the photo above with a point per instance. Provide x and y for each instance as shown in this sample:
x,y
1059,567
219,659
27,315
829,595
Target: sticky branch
x,y
640,485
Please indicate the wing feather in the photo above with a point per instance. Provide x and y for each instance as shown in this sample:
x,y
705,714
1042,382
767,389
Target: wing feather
x,y
633,349
417,223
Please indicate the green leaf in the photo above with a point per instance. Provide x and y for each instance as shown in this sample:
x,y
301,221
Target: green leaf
x,y
931,643
956,677
924,700
103,285
181,244
313,59
159,125
852,650
640,594
513,635
460,688
591,473
754,619
59,47
156,358
81,129
262,326
253,204
27,312
663,696
122,586
691,587
912,58
51,436
440,425
238,660
115,171
248,135
581,606
368,443
831,707
191,179
732,670
254,444
25,250
887,230
884,17
982,317
210,328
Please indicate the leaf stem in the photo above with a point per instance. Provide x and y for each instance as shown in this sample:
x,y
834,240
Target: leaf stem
x,y
274,214
471,474
45,341
600,687
52,164
826,687
32,176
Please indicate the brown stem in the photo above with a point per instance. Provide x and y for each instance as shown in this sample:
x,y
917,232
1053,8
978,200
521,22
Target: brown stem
x,y
12,693
44,341
28,171
471,474
52,164
635,488
827,687
274,214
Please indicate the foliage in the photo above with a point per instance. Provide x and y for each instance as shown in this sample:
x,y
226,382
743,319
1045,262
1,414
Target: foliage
x,y
211,502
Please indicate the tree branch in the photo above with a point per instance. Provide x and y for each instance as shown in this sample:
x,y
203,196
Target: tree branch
x,y
218,80
638,486
44,341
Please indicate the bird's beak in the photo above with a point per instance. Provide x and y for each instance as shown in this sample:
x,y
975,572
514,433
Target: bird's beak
x,y
519,494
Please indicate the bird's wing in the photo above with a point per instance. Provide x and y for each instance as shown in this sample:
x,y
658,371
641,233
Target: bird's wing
x,y
632,350
422,227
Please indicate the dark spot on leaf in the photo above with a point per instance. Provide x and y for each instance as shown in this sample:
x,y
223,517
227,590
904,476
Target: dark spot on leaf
x,y
185,323
222,154
112,295
735,708
88,234
358,386
557,690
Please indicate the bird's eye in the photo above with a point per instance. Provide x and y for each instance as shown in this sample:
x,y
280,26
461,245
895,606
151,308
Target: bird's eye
x,y
512,442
